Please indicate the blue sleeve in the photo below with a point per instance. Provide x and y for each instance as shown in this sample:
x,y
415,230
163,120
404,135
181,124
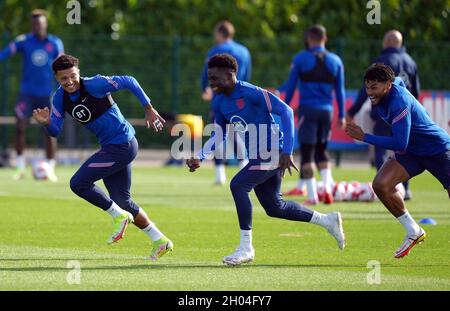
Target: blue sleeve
x,y
56,116
357,105
214,142
277,106
8,51
291,83
99,86
248,72
340,90
59,47
401,128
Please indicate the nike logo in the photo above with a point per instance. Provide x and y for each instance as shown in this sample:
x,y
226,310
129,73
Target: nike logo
x,y
83,100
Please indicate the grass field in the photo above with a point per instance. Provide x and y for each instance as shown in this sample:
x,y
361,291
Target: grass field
x,y
44,226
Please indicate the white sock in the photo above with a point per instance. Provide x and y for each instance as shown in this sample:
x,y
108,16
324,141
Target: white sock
x,y
221,177
311,188
20,161
325,174
412,228
52,162
301,184
319,219
153,232
246,239
115,210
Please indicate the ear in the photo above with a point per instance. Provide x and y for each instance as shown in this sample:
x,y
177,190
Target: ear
x,y
388,85
230,75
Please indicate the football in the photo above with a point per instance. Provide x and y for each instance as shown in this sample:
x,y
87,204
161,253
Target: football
x,y
339,190
41,169
366,193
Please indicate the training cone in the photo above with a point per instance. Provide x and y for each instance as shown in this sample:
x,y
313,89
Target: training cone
x,y
427,221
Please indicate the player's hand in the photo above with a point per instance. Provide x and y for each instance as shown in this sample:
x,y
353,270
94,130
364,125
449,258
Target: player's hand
x,y
207,94
42,116
153,119
193,164
286,162
341,123
354,131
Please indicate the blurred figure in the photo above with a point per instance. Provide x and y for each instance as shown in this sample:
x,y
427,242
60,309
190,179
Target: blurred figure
x,y
319,72
394,55
223,35
39,49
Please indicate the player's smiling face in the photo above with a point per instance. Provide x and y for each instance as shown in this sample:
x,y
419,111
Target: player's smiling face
x,y
376,90
69,79
221,80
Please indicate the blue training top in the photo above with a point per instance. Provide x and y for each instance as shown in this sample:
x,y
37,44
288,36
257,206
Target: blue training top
x,y
412,128
238,51
319,71
252,105
38,56
110,127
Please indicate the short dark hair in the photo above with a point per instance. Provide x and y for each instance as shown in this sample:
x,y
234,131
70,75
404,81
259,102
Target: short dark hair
x,y
223,61
38,12
225,28
379,72
316,32
64,62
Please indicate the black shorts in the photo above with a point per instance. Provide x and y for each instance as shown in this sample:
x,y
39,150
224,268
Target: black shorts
x,y
438,165
314,125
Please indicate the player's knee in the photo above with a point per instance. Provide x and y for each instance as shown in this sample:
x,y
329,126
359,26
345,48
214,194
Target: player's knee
x,y
236,185
306,172
75,185
380,187
274,211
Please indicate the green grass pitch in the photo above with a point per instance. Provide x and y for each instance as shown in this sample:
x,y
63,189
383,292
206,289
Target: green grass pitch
x,y
44,226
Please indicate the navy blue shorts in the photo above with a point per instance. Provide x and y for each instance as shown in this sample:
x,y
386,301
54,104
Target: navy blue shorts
x,y
438,165
26,104
314,125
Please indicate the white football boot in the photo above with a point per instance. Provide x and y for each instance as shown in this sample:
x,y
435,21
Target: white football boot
x,y
409,242
239,256
336,229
